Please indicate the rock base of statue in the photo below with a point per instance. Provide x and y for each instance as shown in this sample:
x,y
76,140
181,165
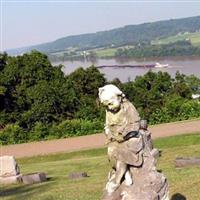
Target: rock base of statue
x,y
148,184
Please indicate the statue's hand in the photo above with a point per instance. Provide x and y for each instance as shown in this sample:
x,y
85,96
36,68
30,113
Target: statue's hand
x,y
106,130
119,138
108,140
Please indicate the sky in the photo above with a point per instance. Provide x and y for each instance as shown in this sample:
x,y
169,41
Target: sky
x,y
30,22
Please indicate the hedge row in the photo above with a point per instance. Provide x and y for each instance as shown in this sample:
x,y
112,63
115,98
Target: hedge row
x,y
13,133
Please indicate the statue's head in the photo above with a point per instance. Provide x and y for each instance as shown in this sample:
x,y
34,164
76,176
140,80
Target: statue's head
x,y
111,97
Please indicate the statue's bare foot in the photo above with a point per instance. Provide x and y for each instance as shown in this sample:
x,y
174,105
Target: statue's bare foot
x,y
128,178
111,187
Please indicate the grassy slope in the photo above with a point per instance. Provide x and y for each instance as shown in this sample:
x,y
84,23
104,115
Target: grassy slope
x,y
103,53
110,52
185,181
193,37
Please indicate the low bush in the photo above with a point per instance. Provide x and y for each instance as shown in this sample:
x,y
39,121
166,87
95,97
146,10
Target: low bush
x,y
13,134
176,111
75,127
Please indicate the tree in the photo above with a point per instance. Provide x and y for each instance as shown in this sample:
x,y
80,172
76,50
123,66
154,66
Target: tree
x,y
181,87
86,83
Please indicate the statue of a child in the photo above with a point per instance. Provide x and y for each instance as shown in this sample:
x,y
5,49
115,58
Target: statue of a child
x,y
122,133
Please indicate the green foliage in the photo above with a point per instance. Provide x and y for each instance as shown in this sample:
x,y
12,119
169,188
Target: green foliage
x,y
39,132
179,48
159,98
175,109
75,127
34,95
148,92
13,134
181,86
86,83
193,37
193,83
38,102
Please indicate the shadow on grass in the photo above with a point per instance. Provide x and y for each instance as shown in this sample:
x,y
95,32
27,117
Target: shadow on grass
x,y
23,191
178,196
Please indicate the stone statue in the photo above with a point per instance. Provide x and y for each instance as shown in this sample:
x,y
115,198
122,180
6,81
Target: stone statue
x,y
133,174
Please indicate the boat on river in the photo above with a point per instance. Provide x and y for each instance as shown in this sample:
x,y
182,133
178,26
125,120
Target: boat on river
x,y
127,66
158,65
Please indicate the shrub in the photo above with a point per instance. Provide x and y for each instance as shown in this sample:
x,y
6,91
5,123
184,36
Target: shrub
x,y
190,109
75,127
13,134
39,132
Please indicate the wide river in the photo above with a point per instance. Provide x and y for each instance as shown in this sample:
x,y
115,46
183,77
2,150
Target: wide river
x,y
185,65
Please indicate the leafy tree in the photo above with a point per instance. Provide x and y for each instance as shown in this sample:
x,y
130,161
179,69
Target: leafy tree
x,y
181,87
86,83
148,92
39,102
35,91
179,48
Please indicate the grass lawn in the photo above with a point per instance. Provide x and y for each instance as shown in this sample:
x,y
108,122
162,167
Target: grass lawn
x,y
193,37
103,53
185,181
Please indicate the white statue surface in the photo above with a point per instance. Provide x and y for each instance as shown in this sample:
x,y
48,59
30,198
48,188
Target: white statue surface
x,y
133,174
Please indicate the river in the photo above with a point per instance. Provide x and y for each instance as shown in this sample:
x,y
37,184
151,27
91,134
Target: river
x,y
185,65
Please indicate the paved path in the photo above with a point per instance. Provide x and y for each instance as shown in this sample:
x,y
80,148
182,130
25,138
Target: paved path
x,y
92,141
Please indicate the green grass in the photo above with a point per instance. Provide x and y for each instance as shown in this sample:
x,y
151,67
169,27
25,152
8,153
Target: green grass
x,y
193,37
109,52
185,181
103,53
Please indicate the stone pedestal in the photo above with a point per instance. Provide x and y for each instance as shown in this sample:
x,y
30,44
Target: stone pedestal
x,y
148,184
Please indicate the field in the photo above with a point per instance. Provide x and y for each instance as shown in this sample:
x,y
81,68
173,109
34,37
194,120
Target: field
x,y
184,181
193,37
110,52
103,53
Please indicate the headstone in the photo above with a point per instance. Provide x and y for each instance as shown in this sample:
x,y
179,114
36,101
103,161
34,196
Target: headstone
x,y
77,175
34,178
9,170
8,166
187,162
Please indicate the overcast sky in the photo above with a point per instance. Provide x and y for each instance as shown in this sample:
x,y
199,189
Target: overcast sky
x,y
25,23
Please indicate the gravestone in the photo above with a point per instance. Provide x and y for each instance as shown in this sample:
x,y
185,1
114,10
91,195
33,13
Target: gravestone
x,y
10,173
32,178
9,170
77,175
187,162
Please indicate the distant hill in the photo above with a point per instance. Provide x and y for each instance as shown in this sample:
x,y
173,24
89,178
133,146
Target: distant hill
x,y
131,34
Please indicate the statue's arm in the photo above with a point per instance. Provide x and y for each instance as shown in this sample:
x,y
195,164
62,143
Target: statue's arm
x,y
132,121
